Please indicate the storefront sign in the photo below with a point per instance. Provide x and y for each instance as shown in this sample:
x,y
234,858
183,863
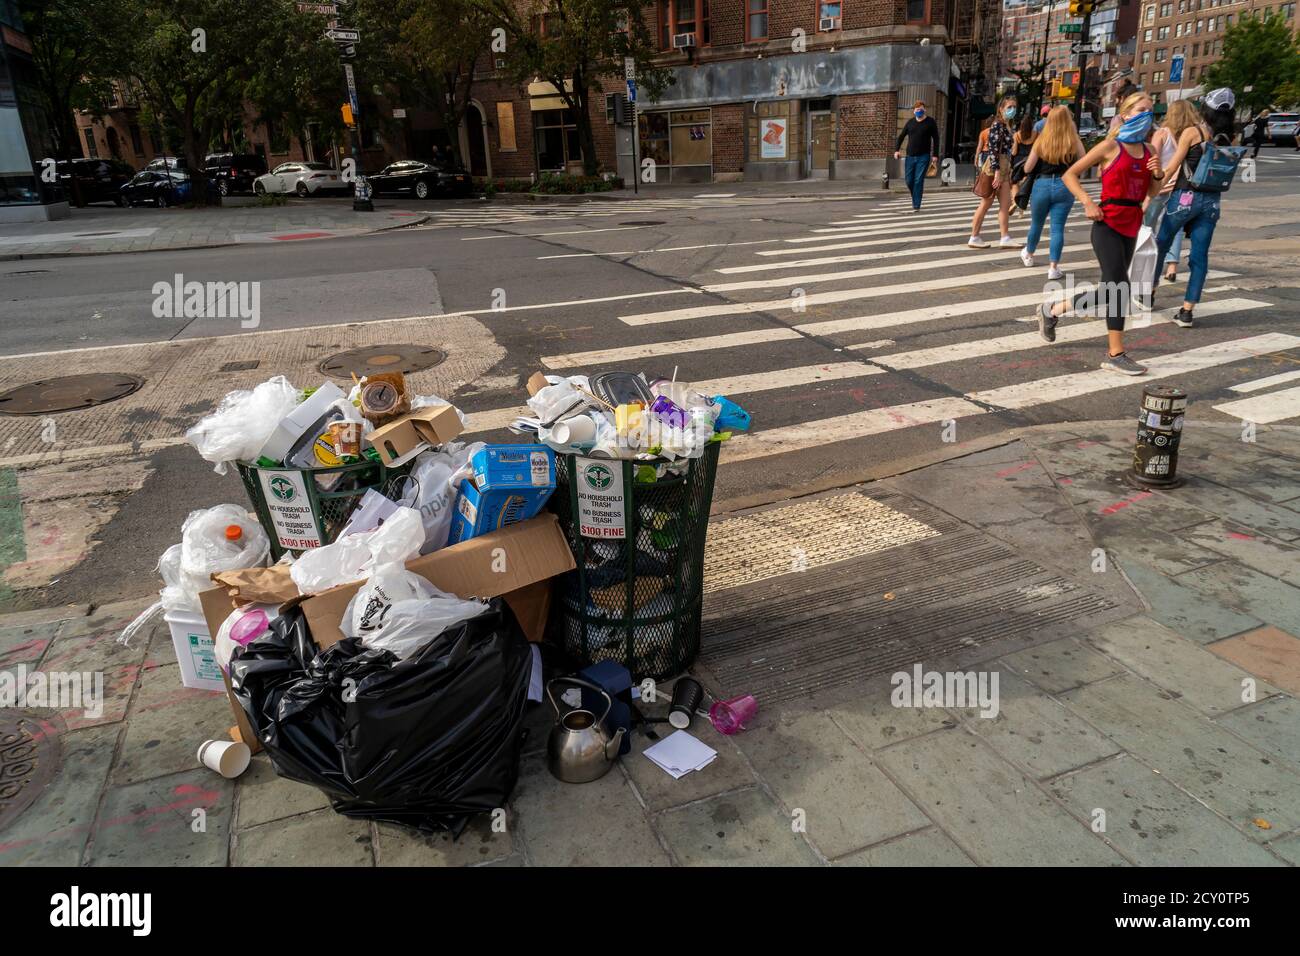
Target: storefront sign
x,y
506,127
602,509
771,138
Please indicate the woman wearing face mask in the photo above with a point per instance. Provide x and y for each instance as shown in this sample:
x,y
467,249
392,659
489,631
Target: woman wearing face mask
x,y
1057,148
922,135
999,149
1192,211
1130,173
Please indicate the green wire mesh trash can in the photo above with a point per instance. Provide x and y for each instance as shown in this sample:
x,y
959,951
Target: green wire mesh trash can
x,y
301,508
637,593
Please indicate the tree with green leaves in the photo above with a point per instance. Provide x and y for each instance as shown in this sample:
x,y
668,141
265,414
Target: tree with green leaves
x,y
1260,57
1031,87
426,51
572,44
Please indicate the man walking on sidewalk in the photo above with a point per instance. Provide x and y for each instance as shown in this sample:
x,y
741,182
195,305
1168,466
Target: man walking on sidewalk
x,y
922,135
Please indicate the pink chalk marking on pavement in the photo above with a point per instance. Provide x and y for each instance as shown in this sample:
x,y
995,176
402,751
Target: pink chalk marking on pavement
x,y
1024,465
1121,505
1241,537
1065,481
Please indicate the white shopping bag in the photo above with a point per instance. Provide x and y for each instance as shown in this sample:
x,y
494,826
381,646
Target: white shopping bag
x,y
1142,270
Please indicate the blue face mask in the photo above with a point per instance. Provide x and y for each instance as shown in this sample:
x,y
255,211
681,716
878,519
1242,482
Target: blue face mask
x,y
1009,112
919,114
1135,128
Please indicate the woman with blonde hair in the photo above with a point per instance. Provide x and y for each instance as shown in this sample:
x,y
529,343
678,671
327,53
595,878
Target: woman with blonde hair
x,y
1056,149
1130,173
1182,115
999,164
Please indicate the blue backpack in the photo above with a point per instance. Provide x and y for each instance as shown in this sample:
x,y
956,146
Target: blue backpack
x,y
1216,169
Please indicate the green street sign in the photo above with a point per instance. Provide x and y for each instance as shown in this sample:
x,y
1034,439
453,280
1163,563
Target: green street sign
x,y
1069,28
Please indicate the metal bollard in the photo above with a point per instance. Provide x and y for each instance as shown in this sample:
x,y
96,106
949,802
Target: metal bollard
x,y
1160,427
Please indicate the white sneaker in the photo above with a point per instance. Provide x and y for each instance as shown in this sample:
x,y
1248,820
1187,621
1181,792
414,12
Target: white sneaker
x,y
975,242
1027,258
1054,273
1008,243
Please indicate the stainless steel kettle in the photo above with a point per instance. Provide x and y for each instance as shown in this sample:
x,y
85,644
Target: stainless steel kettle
x,y
579,750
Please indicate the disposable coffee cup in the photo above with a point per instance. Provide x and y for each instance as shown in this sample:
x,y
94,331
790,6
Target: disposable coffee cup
x,y
227,757
574,431
687,695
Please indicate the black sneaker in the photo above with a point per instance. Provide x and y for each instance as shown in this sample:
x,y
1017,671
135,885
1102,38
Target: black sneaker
x,y
1183,319
1046,323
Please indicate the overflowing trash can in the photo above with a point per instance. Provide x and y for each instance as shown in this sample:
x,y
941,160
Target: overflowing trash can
x,y
637,592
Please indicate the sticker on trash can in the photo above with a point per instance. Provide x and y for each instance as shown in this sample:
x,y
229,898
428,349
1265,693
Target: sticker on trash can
x,y
285,495
602,512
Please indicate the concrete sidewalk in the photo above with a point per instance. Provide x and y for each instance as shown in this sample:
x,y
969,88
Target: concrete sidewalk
x,y
105,229
1143,644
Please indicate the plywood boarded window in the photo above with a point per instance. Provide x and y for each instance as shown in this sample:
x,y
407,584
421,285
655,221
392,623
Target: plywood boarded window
x,y
506,127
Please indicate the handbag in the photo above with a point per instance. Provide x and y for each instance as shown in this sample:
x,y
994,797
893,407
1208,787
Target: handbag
x,y
983,186
933,170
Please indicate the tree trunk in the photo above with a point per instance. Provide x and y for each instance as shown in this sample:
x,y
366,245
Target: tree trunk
x,y
586,138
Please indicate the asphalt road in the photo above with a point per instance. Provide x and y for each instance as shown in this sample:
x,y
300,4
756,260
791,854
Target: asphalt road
x,y
863,339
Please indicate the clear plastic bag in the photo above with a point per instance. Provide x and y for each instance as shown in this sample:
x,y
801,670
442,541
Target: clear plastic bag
x,y
243,421
367,612
435,480
410,625
187,568
354,557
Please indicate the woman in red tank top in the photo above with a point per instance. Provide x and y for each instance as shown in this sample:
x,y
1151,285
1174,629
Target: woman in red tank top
x,y
1130,172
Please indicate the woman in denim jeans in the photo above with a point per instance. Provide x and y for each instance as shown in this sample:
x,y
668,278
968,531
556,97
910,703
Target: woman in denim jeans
x,y
1181,116
1056,149
1193,211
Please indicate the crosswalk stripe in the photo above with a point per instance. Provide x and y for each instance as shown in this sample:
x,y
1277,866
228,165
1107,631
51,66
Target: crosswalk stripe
x,y
1263,409
643,252
895,238
1062,387
933,264
630,352
1262,383
888,320
856,257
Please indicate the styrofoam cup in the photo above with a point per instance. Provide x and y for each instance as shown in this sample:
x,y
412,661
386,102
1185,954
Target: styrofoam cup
x,y
229,758
574,431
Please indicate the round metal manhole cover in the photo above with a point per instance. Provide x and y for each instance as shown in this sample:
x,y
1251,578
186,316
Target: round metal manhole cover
x,y
29,757
375,359
642,222
68,393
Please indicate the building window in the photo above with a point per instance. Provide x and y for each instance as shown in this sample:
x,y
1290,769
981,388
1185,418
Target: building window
x,y
831,9
555,136
546,24
1146,57
1158,77
1162,33
680,142
1149,14
756,20
1146,36
137,142
1196,49
918,11
1210,24
91,150
1161,55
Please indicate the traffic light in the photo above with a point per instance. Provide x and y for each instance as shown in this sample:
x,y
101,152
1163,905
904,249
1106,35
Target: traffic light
x,y
1081,8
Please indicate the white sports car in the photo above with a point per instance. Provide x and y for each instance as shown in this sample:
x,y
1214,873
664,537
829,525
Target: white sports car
x,y
305,179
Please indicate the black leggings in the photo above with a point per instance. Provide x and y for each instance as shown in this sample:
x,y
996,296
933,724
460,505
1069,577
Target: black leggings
x,y
1114,253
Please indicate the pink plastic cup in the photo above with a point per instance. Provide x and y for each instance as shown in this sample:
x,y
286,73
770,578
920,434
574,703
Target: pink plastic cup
x,y
730,716
252,625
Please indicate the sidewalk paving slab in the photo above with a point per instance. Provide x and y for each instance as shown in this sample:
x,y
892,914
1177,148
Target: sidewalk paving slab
x,y
874,722
930,847
306,840
1184,609
1272,725
1247,547
265,796
1272,601
1153,822
659,791
155,823
1269,652
480,844
1060,665
744,828
168,723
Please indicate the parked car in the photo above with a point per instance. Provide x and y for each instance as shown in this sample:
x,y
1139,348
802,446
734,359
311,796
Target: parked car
x,y
1281,128
100,180
234,172
160,163
305,179
421,180
161,188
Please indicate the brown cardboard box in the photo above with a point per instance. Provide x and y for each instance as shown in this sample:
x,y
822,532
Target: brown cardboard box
x,y
217,605
397,441
536,382
515,562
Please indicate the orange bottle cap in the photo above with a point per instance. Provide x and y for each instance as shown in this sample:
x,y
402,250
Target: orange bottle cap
x,y
234,532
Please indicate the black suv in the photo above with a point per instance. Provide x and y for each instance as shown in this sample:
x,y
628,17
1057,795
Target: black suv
x,y
100,180
233,172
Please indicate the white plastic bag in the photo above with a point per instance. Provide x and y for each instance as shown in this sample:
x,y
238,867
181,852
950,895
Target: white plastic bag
x,y
187,568
435,480
409,625
367,612
558,401
353,558
1142,269
243,422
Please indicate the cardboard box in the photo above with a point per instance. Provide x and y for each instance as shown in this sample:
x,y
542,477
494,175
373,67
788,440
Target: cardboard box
x,y
402,439
515,563
217,605
510,483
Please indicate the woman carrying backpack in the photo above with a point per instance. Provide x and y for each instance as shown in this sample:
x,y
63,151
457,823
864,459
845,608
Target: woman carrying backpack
x,y
1130,173
1192,210
1182,115
999,165
1056,149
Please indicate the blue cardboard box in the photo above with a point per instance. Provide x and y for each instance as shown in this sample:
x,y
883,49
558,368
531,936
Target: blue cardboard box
x,y
510,483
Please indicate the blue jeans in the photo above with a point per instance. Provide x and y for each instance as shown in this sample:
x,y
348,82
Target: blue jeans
x,y
1154,214
1050,197
1198,216
914,174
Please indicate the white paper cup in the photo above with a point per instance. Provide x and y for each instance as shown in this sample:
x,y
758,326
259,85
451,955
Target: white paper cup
x,y
227,757
574,431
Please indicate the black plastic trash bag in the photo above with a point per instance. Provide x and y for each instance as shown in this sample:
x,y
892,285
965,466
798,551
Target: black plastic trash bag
x,y
428,741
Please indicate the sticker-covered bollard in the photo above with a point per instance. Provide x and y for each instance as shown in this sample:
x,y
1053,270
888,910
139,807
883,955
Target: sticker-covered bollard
x,y
1160,427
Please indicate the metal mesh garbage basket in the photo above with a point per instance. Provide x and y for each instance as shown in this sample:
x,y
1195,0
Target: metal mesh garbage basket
x,y
301,508
637,592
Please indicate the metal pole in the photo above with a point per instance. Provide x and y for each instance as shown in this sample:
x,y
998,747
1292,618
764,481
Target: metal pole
x,y
1086,38
1047,40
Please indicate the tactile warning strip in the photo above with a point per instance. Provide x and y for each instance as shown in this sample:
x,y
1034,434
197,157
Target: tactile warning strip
x,y
810,534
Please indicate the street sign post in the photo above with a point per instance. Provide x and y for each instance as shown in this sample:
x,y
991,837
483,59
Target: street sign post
x,y
1090,46
1070,28
629,75
344,36
352,89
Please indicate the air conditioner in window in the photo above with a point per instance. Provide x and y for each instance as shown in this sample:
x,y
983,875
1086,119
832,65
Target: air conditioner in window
x,y
826,24
501,63
683,40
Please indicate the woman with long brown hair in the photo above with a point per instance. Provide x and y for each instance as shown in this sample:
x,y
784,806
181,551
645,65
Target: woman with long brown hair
x,y
1130,174
999,164
1056,149
1021,143
1181,116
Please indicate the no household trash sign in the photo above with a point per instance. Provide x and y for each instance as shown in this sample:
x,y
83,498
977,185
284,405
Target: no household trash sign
x,y
602,509
286,498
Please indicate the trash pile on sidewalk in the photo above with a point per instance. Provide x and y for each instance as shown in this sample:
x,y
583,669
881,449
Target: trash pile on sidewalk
x,y
378,620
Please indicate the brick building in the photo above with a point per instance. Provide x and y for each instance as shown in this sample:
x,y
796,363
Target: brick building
x,y
1195,29
764,90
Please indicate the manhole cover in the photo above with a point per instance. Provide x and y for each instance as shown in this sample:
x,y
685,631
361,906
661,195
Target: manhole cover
x,y
642,222
29,755
374,359
68,393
